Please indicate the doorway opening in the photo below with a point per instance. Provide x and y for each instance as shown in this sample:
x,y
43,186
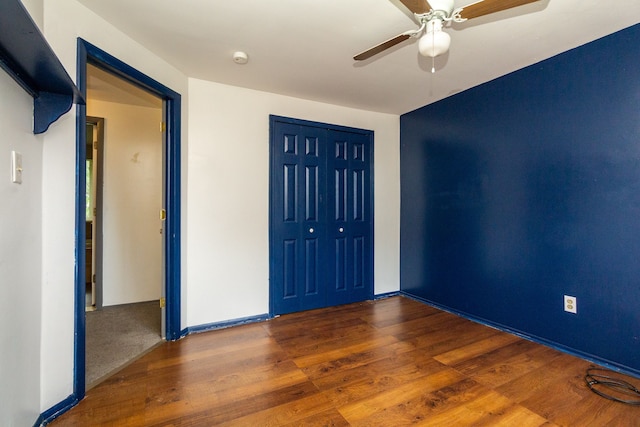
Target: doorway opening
x,y
124,229
168,215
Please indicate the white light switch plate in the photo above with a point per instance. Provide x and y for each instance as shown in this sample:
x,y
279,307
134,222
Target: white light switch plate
x,y
16,167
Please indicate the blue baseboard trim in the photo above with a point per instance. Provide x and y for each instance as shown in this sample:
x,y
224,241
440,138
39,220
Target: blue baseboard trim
x,y
386,295
55,411
551,344
226,324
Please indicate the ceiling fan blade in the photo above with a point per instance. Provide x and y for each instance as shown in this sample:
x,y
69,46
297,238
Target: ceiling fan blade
x,y
417,6
380,47
485,7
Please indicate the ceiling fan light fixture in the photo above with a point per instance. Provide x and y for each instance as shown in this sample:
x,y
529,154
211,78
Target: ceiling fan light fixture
x,y
434,42
432,15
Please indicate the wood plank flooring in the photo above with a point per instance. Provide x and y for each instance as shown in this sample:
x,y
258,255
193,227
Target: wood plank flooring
x,y
392,362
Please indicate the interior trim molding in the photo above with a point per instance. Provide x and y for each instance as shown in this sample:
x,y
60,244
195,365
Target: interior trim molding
x,y
226,324
55,411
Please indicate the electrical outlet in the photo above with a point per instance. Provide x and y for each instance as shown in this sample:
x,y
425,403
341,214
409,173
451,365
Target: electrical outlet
x,y
570,304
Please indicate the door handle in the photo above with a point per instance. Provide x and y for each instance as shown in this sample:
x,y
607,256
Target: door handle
x,y
341,230
311,230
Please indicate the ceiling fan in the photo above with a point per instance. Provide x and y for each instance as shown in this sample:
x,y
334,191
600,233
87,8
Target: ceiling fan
x,y
433,15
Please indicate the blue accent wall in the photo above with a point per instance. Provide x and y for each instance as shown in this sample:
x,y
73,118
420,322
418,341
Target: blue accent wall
x,y
527,188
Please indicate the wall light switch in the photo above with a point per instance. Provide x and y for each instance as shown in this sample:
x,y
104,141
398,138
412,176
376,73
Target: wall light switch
x,y
16,167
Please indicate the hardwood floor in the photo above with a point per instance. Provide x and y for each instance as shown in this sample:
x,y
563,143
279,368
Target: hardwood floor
x,y
391,362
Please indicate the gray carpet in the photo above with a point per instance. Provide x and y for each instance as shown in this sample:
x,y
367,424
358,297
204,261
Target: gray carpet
x,y
118,334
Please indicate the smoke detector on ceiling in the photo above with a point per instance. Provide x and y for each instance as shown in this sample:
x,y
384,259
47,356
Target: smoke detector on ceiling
x,y
240,57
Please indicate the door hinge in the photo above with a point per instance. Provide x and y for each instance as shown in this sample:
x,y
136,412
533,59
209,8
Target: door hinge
x,y
163,214
163,126
95,145
93,278
163,302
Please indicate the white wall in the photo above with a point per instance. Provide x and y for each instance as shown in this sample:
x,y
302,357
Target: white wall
x,y
132,199
35,9
64,21
228,240
224,231
20,259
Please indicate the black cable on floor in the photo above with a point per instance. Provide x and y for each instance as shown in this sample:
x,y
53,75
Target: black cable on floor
x,y
602,383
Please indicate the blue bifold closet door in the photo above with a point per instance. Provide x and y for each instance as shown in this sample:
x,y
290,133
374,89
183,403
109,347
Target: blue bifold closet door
x,y
321,222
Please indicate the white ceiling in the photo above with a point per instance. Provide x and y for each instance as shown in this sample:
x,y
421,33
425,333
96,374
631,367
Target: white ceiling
x,y
104,86
304,48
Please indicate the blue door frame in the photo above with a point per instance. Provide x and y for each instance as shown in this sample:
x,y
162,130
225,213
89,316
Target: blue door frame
x,y
88,53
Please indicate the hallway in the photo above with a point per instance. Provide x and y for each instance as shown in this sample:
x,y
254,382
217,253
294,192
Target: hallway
x,y
116,335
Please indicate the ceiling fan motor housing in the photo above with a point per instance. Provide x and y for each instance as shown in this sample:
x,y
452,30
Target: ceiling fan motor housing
x,y
445,6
